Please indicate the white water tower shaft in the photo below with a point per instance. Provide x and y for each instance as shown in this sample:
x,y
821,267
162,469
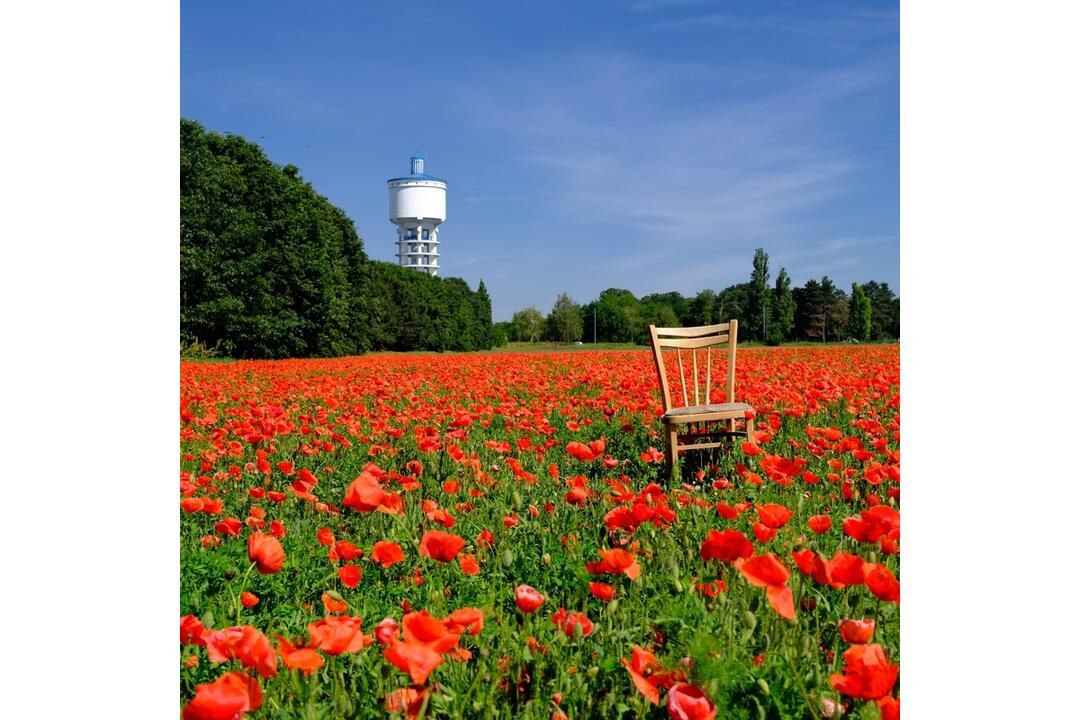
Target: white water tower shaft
x,y
418,207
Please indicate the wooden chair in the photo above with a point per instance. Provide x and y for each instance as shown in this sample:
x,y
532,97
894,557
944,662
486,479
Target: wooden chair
x,y
694,339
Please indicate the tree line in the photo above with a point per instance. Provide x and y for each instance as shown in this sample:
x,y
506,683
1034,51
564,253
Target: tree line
x,y
271,269
771,313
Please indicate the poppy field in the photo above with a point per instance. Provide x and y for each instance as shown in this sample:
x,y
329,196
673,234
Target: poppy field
x,y
495,536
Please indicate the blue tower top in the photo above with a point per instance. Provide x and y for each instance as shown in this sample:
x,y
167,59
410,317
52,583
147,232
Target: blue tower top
x,y
416,170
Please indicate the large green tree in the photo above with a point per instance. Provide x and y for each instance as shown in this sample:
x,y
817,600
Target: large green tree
x,y
885,311
615,315
528,325
859,314
565,322
703,309
758,300
782,323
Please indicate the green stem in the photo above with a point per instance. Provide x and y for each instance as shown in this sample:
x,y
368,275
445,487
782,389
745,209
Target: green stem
x,y
243,586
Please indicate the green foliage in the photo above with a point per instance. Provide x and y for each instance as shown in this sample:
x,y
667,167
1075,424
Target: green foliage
x,y
885,311
196,350
859,314
759,297
565,321
782,324
501,332
703,309
271,269
528,325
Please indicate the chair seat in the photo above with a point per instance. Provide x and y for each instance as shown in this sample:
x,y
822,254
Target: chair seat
x,y
717,410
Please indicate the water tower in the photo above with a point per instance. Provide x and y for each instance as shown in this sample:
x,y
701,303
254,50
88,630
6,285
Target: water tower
x,y
418,207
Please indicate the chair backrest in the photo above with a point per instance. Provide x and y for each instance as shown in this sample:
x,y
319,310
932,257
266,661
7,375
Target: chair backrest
x,y
695,338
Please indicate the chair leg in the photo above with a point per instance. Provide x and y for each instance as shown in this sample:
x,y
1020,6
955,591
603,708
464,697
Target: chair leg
x,y
672,454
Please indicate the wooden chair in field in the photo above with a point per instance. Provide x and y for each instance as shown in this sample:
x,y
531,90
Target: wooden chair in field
x,y
701,414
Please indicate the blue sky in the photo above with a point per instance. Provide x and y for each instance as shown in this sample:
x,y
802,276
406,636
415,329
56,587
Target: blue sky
x,y
644,144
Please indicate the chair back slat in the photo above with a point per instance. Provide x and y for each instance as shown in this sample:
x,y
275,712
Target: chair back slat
x,y
708,374
693,332
697,399
692,343
682,378
734,334
693,338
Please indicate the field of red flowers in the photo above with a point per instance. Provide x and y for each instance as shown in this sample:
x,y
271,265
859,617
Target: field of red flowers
x,y
493,535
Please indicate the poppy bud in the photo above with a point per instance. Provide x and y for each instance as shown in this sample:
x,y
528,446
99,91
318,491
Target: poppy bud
x,y
749,620
335,595
613,605
435,595
507,558
546,559
229,573
678,586
516,497
763,685
579,630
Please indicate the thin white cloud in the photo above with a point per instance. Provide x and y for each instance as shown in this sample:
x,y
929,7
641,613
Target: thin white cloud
x,y
669,172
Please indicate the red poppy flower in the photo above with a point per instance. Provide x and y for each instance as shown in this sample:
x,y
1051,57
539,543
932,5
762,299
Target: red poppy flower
x,y
889,708
228,697
882,583
641,663
726,546
332,605
581,451
405,701
773,515
364,493
387,630
819,523
781,600
416,660
470,620
325,537
856,632
652,455
602,591
764,533
528,598
266,552
812,564
615,562
422,628
347,551
338,634
764,570
350,575
249,599
845,569
727,511
689,702
867,673
441,546
244,643
304,659
387,553
468,564
229,526
192,631
571,622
